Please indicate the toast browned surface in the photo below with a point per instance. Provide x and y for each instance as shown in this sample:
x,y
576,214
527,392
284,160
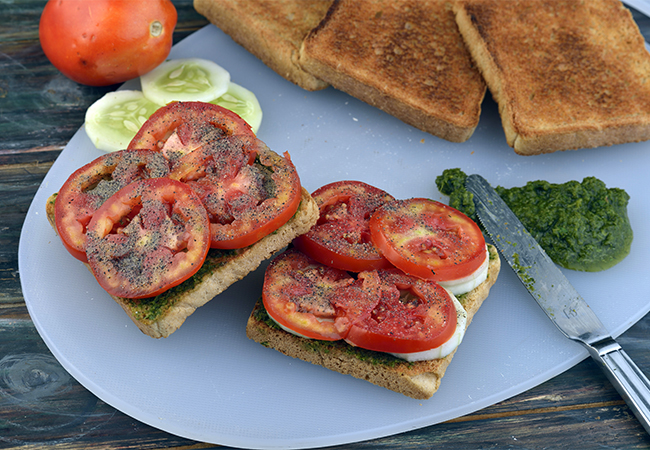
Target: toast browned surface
x,y
162,315
418,380
565,74
406,58
272,30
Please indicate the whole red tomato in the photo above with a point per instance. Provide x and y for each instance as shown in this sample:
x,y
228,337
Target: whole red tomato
x,y
103,42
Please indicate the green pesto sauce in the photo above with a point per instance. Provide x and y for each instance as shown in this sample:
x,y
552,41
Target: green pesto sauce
x,y
150,309
581,225
522,271
260,314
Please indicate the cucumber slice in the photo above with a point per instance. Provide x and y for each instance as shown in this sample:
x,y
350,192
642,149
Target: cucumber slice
x,y
188,79
243,102
112,121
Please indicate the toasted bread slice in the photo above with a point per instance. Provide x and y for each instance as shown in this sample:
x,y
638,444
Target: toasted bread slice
x,y
418,380
406,58
162,315
565,74
272,30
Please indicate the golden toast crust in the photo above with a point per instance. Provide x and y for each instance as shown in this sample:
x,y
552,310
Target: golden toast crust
x,y
418,380
565,74
272,30
406,58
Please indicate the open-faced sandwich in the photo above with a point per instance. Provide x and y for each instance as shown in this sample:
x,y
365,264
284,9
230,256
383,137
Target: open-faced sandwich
x,y
380,289
194,203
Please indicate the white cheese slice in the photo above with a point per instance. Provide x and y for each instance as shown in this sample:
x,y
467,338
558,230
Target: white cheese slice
x,y
470,282
446,348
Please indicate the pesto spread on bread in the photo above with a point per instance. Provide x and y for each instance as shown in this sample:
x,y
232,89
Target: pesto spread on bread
x,y
152,308
581,225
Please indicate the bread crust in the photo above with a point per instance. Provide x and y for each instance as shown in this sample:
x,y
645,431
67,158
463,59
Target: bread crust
x,y
406,58
272,30
575,76
418,380
222,270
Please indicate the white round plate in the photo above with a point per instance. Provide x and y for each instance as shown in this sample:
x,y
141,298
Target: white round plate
x,y
208,382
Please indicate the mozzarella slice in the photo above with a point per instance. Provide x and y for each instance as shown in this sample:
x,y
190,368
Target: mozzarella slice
x,y
295,333
466,284
446,348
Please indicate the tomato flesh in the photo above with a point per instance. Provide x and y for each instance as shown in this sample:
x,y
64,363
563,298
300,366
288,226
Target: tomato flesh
x,y
409,315
248,190
341,237
381,310
428,239
148,237
182,127
297,294
91,185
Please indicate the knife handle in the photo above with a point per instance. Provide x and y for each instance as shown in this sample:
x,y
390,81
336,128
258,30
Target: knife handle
x,y
626,377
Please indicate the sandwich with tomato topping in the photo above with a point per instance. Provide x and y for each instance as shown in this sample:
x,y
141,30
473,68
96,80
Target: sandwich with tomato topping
x,y
194,204
380,289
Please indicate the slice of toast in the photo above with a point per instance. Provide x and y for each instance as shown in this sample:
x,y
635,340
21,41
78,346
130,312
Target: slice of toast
x,y
418,380
406,58
160,316
272,30
565,74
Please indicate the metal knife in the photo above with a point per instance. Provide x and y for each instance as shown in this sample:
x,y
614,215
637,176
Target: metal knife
x,y
557,298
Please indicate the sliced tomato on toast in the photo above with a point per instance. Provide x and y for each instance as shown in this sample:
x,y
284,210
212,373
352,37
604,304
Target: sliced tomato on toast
x,y
91,185
398,314
182,127
148,237
428,239
297,294
381,310
248,190
341,237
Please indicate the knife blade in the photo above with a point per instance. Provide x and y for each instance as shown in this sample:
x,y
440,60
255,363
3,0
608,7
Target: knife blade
x,y
558,299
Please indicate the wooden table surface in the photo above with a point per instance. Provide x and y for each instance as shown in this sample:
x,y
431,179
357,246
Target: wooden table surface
x,y
39,112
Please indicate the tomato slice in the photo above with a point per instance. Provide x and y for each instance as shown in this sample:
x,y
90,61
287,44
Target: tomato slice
x,y
428,239
341,237
89,187
381,310
182,127
297,292
148,237
409,315
248,190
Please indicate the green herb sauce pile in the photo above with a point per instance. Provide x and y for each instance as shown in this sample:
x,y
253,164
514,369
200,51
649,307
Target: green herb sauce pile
x,y
581,225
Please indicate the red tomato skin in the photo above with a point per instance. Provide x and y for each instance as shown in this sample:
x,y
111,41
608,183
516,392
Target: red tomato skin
x,y
77,201
109,244
242,210
465,250
187,133
380,310
389,324
104,42
297,291
341,237
261,224
185,118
